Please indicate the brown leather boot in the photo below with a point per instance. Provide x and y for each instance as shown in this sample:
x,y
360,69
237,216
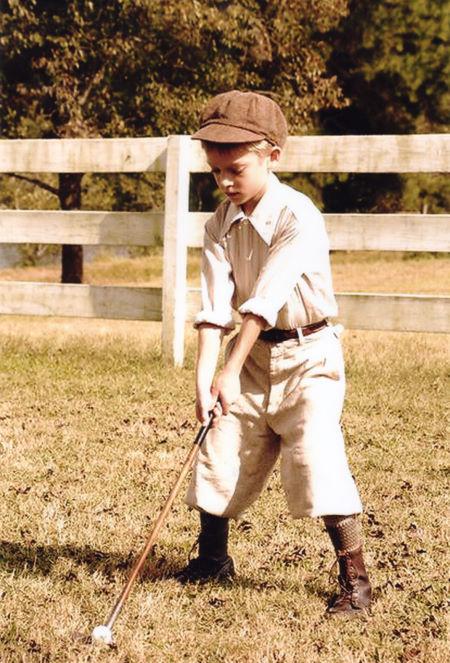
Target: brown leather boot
x,y
355,590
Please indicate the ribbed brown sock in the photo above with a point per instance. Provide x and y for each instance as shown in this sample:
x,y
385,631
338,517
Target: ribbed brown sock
x,y
344,531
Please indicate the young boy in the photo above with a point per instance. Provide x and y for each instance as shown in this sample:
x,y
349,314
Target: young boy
x,y
281,389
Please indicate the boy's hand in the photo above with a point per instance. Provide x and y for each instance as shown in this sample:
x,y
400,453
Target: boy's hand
x,y
226,390
205,404
226,387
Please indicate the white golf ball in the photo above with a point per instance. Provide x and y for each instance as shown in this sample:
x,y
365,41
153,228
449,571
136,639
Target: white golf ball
x,y
102,634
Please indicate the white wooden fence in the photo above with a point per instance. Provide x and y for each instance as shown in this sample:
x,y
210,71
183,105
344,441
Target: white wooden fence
x,y
178,156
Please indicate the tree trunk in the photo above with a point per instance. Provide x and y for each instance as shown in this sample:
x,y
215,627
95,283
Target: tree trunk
x,y
72,254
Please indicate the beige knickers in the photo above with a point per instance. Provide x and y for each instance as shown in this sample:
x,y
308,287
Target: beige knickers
x,y
290,406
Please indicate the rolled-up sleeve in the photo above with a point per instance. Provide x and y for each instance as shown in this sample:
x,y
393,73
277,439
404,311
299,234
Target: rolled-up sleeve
x,y
217,286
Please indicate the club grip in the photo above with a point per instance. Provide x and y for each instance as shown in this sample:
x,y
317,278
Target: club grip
x,y
203,431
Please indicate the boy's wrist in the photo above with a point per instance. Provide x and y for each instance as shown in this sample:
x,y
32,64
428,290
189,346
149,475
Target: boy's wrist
x,y
202,390
233,366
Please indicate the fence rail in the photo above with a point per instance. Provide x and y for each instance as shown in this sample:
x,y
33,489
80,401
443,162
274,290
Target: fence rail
x,y
381,232
178,156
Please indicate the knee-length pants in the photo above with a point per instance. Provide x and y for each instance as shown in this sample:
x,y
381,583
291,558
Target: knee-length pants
x,y
290,407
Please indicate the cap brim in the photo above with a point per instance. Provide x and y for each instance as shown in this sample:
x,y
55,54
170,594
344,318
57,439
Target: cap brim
x,y
224,133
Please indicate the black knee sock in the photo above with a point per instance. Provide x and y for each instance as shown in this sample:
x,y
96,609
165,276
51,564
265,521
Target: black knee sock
x,y
213,539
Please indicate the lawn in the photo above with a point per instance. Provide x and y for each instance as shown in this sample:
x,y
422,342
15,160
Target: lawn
x,y
353,271
94,429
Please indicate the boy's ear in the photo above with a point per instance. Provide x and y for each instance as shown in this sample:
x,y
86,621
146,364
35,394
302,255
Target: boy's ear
x,y
274,156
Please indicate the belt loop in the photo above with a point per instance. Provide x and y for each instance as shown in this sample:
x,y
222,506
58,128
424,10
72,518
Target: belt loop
x,y
300,335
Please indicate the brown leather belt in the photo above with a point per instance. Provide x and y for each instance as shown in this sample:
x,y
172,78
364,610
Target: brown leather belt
x,y
275,335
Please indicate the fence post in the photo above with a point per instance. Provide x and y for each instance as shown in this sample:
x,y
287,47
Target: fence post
x,y
175,232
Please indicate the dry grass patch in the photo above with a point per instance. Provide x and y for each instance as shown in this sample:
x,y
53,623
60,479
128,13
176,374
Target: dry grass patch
x,y
391,272
94,429
363,271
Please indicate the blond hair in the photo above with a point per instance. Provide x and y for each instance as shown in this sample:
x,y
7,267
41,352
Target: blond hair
x,y
262,147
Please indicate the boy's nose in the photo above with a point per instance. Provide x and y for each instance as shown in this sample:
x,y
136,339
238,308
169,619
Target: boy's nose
x,y
226,182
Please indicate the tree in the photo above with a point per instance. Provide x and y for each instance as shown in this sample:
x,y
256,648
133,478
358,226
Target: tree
x,y
393,61
145,67
79,68
55,81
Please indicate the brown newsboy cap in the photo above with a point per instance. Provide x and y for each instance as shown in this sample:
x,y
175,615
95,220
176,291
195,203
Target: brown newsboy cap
x,y
242,117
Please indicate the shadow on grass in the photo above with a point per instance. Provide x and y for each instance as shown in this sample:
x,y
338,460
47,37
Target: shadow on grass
x,y
35,558
38,559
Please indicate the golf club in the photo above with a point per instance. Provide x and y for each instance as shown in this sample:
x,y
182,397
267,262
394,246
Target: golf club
x,y
103,632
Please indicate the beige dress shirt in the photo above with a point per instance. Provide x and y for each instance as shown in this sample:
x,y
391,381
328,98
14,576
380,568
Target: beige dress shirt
x,y
274,263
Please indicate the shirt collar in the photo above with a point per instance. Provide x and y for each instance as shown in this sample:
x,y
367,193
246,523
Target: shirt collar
x,y
264,216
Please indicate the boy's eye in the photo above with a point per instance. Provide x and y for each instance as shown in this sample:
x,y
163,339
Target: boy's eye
x,y
232,171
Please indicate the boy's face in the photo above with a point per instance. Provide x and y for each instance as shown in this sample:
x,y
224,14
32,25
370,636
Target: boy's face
x,y
240,174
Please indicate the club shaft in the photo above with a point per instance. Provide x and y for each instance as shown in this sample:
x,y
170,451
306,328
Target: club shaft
x,y
158,524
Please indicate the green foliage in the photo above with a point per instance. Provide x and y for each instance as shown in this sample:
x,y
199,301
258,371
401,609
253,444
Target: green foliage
x,y
125,192
32,255
80,68
426,193
23,194
145,68
393,61
122,68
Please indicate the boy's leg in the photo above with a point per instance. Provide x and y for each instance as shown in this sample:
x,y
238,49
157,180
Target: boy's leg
x,y
355,590
213,539
307,415
314,466
213,561
237,457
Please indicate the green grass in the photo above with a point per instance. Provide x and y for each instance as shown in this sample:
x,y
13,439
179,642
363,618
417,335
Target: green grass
x,y
94,429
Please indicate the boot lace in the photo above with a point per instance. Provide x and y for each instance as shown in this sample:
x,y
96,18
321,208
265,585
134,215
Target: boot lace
x,y
346,590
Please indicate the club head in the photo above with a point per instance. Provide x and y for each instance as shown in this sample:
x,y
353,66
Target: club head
x,y
102,635
83,639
